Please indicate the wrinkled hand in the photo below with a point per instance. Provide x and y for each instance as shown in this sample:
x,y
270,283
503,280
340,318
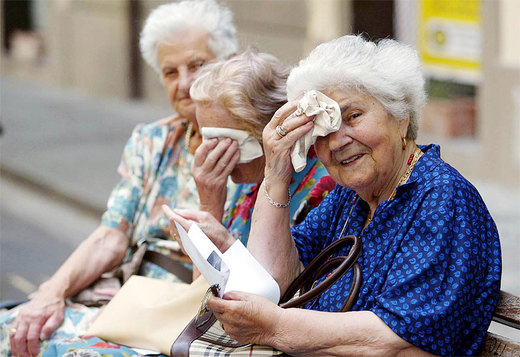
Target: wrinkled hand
x,y
215,231
278,167
213,163
248,318
36,320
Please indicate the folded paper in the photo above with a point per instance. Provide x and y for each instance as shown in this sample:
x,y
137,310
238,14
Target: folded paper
x,y
234,270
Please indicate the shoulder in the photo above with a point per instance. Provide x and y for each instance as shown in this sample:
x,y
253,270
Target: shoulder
x,y
159,127
437,177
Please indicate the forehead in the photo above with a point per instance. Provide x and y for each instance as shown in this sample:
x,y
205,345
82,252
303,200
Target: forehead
x,y
183,47
348,98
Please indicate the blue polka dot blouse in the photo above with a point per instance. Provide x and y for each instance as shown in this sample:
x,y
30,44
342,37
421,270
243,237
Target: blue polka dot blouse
x,y
430,258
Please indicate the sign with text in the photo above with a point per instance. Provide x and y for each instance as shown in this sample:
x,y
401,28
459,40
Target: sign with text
x,y
450,39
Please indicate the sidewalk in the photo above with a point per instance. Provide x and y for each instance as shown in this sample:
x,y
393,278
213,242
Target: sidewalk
x,y
66,142
70,144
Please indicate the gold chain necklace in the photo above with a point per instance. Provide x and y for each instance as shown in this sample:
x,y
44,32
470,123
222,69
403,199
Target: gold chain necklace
x,y
414,157
187,138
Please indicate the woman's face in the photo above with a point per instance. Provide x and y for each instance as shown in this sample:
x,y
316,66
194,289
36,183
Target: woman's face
x,y
365,154
180,57
215,115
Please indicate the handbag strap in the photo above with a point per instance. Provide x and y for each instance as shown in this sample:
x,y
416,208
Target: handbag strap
x,y
170,265
322,264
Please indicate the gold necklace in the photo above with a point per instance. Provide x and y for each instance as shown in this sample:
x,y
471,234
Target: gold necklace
x,y
354,201
414,157
187,138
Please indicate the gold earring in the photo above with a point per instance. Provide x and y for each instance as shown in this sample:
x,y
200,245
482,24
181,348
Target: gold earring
x,y
403,143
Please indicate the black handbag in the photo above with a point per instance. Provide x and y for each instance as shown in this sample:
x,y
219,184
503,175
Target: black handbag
x,y
204,336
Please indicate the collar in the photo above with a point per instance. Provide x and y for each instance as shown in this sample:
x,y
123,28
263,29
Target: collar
x,y
430,159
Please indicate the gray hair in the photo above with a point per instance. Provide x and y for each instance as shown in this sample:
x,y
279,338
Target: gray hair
x,y
169,19
388,71
251,86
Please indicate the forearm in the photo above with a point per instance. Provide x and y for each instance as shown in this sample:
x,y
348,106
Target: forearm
x,y
270,239
314,333
100,252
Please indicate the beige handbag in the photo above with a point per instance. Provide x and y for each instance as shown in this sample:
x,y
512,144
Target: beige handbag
x,y
149,313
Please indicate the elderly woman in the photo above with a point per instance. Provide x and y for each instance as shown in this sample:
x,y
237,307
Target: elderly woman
x,y
235,99
430,255
177,39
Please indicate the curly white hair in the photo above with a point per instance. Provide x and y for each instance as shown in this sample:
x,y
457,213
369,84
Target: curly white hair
x,y
168,19
387,70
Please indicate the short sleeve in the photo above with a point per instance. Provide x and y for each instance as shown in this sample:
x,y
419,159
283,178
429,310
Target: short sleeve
x,y
124,199
442,288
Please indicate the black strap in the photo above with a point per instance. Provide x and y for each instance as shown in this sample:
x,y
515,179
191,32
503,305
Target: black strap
x,y
170,265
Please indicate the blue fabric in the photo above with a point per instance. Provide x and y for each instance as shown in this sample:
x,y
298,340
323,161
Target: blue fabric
x,y
430,258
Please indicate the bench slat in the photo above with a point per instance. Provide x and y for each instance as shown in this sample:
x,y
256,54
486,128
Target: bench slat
x,y
508,310
497,346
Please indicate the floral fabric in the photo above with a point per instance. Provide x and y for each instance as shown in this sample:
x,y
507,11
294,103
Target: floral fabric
x,y
308,187
155,170
430,258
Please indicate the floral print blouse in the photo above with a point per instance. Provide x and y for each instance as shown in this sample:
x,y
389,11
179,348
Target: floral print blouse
x,y
307,189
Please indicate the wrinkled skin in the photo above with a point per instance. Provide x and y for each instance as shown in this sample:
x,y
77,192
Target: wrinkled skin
x,y
248,318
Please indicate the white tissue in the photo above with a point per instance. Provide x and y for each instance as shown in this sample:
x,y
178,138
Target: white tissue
x,y
249,147
327,120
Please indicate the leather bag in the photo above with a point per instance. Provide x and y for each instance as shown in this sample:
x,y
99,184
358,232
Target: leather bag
x,y
204,336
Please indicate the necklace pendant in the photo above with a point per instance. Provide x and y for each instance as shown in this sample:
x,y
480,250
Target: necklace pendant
x,y
411,158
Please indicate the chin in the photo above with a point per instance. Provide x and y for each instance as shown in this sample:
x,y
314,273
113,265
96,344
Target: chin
x,y
185,111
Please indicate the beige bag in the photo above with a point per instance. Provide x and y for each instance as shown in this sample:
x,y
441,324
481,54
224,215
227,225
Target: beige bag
x,y
149,313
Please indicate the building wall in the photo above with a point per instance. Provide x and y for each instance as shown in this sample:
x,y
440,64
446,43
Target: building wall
x,y
87,48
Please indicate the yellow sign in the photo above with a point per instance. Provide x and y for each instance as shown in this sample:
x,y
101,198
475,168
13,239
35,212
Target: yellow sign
x,y
450,38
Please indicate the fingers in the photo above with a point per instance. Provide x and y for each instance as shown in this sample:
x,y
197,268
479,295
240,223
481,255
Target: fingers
x,y
33,339
282,113
19,340
202,151
217,157
51,325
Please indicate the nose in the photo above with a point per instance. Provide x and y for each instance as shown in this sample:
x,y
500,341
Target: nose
x,y
339,139
186,78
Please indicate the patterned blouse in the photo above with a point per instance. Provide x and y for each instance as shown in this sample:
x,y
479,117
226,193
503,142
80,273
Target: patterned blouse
x,y
308,187
430,257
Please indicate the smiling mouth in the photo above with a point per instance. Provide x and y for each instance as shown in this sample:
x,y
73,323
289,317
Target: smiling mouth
x,y
351,159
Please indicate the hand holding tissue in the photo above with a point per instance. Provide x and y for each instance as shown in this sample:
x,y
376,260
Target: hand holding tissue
x,y
327,120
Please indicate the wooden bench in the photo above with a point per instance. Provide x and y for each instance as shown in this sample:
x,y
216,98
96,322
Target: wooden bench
x,y
507,313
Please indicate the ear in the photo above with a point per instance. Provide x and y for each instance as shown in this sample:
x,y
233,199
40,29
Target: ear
x,y
403,125
231,56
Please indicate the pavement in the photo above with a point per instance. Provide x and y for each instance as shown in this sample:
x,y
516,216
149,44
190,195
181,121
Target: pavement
x,y
68,144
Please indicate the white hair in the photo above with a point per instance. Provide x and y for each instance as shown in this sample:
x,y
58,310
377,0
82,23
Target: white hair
x,y
170,19
251,86
388,71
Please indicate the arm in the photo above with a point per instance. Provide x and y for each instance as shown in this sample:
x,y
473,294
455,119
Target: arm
x,y
213,163
270,239
252,319
100,252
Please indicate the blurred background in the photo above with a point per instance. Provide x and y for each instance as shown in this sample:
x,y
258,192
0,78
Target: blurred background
x,y
73,85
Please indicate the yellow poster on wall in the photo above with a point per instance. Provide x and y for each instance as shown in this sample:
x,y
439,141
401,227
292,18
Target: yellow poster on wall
x,y
450,38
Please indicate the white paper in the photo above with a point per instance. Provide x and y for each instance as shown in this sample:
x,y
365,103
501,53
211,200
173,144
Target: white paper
x,y
235,270
199,248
